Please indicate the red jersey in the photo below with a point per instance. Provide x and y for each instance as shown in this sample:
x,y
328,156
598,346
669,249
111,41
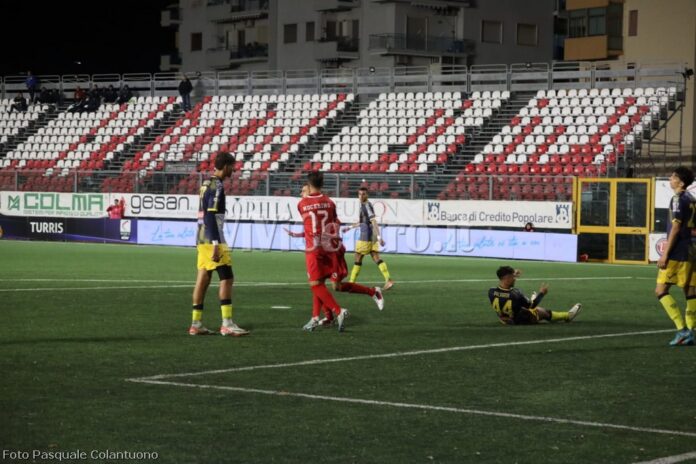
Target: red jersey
x,y
321,224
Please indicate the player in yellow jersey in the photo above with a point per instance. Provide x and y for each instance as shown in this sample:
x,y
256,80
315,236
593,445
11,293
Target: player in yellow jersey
x,y
369,241
676,264
213,252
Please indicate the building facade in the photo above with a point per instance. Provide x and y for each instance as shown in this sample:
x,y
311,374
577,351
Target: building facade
x,y
315,34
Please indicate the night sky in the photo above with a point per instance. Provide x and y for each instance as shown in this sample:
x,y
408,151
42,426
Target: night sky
x,y
50,37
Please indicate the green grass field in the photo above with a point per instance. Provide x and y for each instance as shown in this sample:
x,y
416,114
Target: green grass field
x,y
80,320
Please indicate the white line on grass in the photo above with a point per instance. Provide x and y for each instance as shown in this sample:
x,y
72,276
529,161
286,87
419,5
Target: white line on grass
x,y
670,459
398,354
272,284
478,412
157,380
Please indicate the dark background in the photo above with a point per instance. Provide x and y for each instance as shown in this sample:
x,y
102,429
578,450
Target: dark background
x,y
50,37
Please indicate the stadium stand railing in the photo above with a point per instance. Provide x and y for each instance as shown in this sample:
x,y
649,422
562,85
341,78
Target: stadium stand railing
x,y
483,132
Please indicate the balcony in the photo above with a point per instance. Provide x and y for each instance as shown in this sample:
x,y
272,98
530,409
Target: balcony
x,y
170,17
224,58
439,5
598,47
335,5
338,49
402,44
170,62
230,11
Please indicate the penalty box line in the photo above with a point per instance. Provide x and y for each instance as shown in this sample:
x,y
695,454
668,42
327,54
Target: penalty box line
x,y
398,354
426,407
158,380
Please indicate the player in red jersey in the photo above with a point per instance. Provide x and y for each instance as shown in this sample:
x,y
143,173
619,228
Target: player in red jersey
x,y
324,252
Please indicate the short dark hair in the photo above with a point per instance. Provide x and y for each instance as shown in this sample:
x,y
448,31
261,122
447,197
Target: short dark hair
x,y
315,179
362,189
223,159
504,271
685,175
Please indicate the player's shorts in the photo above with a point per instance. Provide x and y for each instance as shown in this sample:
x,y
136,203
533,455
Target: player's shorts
x,y
366,247
205,256
677,273
522,317
323,264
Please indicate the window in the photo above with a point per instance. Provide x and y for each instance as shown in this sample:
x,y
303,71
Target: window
x,y
527,34
196,41
597,21
492,32
577,24
633,23
290,33
309,32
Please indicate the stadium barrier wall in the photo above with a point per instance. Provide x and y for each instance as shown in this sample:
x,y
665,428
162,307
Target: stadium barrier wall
x,y
69,229
470,213
267,236
438,241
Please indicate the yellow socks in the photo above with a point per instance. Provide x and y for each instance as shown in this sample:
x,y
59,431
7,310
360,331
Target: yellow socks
x,y
668,302
691,312
559,316
383,269
197,314
226,309
354,272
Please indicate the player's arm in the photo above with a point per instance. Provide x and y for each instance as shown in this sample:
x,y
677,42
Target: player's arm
x,y
293,234
210,219
678,212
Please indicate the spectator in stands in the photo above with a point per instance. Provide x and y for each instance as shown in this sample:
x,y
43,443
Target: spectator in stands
x,y
80,101
79,94
110,95
56,96
44,95
124,95
32,84
185,89
117,210
93,100
19,103
529,227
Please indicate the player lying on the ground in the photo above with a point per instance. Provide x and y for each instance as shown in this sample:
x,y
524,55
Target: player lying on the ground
x,y
514,308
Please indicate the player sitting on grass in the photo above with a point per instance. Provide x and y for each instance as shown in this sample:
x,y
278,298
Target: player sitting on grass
x,y
514,308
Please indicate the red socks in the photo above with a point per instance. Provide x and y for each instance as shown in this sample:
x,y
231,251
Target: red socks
x,y
324,295
356,288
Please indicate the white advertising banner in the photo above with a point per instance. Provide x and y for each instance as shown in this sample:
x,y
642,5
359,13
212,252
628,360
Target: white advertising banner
x,y
546,215
663,193
53,204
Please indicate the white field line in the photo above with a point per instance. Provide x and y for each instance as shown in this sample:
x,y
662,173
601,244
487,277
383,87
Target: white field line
x,y
180,284
398,354
157,380
671,459
478,412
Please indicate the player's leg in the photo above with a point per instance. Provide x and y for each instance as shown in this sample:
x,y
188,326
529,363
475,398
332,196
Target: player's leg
x,y
357,266
320,265
690,316
316,311
225,294
202,283
673,274
382,266
558,316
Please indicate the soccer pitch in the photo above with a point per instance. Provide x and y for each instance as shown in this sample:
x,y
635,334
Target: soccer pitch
x,y
96,356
